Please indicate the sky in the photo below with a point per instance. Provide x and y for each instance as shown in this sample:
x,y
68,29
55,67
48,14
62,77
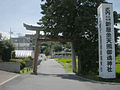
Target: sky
x,y
13,13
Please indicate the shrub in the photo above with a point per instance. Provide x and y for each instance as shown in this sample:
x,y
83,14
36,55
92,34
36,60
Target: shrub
x,y
22,63
28,58
20,57
12,54
47,52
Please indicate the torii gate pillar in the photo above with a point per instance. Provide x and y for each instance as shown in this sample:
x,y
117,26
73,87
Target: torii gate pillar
x,y
37,29
36,52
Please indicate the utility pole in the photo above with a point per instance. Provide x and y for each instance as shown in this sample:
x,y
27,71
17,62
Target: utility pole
x,y
10,33
18,41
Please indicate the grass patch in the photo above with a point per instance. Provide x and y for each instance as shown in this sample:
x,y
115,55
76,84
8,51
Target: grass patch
x,y
65,60
117,65
67,63
117,59
26,70
117,68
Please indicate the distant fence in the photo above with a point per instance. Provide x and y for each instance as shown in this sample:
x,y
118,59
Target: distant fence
x,y
10,66
62,56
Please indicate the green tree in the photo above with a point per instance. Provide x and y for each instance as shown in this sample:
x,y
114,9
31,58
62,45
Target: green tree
x,y
58,47
0,46
47,51
117,34
6,48
76,20
13,55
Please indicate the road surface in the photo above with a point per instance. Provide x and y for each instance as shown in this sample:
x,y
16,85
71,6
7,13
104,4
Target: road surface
x,y
6,76
51,76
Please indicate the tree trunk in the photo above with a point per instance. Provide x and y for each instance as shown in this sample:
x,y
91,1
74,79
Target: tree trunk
x,y
73,58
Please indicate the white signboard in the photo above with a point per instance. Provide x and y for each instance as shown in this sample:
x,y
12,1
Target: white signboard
x,y
106,41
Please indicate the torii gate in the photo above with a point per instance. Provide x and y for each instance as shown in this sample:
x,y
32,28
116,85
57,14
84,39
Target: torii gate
x,y
38,29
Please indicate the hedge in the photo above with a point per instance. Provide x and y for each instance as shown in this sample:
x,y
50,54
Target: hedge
x,y
22,63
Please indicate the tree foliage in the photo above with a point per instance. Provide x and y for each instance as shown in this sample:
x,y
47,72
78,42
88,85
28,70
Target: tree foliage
x,y
6,48
0,36
45,47
76,20
117,34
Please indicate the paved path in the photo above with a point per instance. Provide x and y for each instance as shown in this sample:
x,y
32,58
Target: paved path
x,y
51,76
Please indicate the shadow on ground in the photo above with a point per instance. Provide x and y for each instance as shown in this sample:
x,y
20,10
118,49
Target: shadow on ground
x,y
75,77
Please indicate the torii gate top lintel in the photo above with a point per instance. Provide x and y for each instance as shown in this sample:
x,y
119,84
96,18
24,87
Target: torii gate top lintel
x,y
38,29
32,28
